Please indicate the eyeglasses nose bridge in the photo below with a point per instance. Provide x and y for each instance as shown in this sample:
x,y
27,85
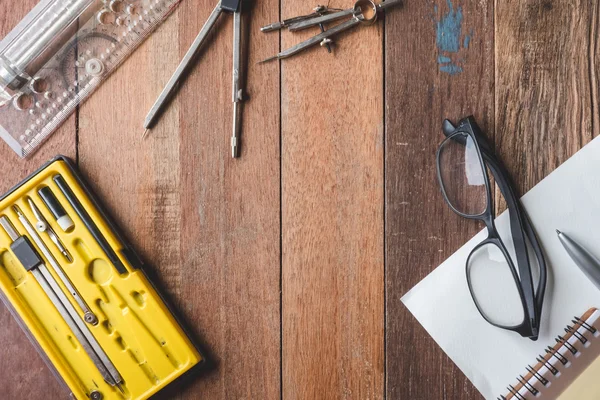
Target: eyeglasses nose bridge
x,y
488,219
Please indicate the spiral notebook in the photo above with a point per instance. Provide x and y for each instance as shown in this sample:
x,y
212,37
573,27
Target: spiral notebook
x,y
492,358
567,371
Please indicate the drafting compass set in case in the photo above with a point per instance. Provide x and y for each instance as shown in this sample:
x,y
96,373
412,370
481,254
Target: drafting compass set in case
x,y
78,291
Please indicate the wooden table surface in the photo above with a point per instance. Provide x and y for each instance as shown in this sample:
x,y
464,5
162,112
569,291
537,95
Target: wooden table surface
x,y
289,263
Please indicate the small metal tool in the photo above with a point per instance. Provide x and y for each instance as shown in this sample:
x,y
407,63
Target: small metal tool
x,y
235,7
28,256
291,22
317,11
323,18
357,14
43,226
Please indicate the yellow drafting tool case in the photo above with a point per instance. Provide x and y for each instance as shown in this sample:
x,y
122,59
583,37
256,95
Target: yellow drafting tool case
x,y
75,287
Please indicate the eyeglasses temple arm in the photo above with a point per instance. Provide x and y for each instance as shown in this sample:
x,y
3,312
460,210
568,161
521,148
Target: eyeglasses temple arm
x,y
518,219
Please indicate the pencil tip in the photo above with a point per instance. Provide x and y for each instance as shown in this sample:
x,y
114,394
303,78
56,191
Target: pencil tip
x,y
145,134
558,232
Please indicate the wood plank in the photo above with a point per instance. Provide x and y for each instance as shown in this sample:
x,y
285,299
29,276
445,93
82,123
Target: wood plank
x,y
231,210
547,84
439,64
23,374
332,182
208,225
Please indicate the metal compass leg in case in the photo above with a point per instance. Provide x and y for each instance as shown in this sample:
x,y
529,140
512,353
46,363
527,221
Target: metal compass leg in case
x,y
30,259
232,6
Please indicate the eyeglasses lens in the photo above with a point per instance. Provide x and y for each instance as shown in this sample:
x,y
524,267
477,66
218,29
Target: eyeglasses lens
x,y
462,175
493,286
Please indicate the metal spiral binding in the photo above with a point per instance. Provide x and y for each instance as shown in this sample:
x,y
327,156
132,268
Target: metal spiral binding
x,y
537,375
515,393
579,336
550,367
527,385
572,330
569,346
587,326
553,353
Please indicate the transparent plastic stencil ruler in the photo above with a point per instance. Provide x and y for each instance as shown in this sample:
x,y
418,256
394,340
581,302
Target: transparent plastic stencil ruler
x,y
59,54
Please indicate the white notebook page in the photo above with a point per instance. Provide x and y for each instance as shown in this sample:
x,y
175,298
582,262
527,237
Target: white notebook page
x,y
569,200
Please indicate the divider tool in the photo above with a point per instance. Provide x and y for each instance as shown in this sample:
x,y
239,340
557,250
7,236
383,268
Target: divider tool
x,y
291,23
358,15
235,7
43,226
317,12
28,256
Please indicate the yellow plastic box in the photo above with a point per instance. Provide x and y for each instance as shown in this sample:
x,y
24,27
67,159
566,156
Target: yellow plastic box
x,y
134,328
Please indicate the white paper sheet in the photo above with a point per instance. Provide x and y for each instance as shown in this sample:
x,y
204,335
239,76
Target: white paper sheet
x,y
492,358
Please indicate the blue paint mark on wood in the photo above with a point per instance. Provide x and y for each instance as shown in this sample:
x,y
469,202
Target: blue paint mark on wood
x,y
449,38
449,29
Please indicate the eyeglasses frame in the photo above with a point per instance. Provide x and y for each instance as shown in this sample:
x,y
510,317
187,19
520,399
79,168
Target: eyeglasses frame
x,y
521,228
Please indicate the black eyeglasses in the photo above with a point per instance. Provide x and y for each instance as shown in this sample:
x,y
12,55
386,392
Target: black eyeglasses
x,y
507,297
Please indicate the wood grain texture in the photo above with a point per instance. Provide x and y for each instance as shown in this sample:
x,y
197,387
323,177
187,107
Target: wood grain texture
x,y
547,87
421,231
207,225
22,371
332,203
231,250
289,263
